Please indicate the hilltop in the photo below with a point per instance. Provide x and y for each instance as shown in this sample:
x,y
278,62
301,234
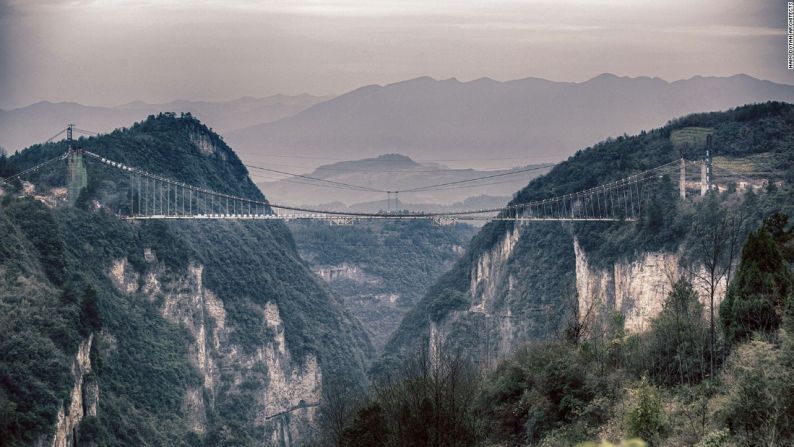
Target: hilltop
x,y
396,172
164,333
25,126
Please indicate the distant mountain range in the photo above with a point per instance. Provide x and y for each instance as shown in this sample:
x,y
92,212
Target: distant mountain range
x,y
447,119
482,123
395,172
22,127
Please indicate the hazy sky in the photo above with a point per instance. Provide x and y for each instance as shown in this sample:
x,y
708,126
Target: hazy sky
x,y
108,52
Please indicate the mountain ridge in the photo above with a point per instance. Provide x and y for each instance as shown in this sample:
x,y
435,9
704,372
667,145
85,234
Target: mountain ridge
x,y
538,117
24,126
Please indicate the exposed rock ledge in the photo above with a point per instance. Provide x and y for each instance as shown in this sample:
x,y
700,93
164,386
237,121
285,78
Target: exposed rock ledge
x,y
637,289
291,390
83,399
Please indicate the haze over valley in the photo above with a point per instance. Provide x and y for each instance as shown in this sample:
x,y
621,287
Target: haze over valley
x,y
392,223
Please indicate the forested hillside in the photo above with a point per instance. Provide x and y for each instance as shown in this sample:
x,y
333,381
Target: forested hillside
x,y
555,334
533,266
183,333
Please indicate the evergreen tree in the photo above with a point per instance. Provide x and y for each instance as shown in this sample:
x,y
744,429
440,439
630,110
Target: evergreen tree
x,y
89,311
776,226
760,290
679,339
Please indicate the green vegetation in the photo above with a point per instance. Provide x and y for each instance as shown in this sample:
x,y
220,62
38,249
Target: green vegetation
x,y
690,137
682,381
141,361
427,402
654,386
677,344
55,289
757,405
645,420
760,291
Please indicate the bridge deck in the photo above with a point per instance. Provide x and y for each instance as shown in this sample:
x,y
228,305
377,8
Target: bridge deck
x,y
372,217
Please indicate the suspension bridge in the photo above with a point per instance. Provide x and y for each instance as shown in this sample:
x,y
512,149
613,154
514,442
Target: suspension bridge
x,y
150,196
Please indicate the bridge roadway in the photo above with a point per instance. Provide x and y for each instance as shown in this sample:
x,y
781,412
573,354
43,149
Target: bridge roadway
x,y
342,217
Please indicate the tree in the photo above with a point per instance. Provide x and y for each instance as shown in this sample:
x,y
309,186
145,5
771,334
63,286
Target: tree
x,y
759,404
5,166
429,401
89,311
758,295
368,429
646,418
716,232
340,402
678,345
776,226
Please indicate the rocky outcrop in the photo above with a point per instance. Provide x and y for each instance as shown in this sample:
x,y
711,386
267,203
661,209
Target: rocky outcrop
x,y
510,305
287,390
205,145
344,271
293,390
491,281
124,278
488,271
83,399
637,289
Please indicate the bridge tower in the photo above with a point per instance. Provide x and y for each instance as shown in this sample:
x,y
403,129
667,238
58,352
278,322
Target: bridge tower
x,y
77,176
682,180
705,170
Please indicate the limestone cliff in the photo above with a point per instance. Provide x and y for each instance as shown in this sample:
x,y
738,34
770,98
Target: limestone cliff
x,y
513,302
489,270
287,391
82,400
637,289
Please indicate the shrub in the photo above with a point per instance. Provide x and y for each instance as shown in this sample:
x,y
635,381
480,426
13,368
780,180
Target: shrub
x,y
677,351
646,418
541,389
759,405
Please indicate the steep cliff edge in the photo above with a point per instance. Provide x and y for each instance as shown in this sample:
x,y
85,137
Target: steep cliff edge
x,y
83,399
534,280
204,332
636,289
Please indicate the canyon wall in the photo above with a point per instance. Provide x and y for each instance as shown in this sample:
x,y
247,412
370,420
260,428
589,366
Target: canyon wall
x,y
287,390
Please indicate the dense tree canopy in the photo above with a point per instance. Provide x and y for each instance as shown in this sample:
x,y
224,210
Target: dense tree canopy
x,y
760,291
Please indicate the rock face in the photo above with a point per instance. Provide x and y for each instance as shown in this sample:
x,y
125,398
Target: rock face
x,y
511,304
287,390
637,289
294,390
83,399
488,322
344,271
205,145
488,271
